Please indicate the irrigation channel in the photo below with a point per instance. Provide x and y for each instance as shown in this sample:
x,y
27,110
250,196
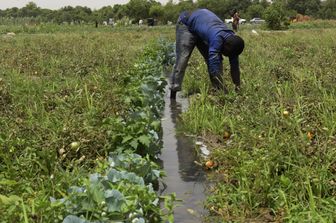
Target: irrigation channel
x,y
183,176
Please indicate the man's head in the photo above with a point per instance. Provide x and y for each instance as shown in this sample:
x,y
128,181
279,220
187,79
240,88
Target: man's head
x,y
233,46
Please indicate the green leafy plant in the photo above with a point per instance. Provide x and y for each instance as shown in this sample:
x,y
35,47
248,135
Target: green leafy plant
x,y
275,16
123,189
68,100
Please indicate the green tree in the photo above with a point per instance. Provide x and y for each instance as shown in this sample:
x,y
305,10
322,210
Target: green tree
x,y
13,12
47,15
264,3
255,10
156,11
65,14
119,11
171,12
139,9
328,9
30,10
217,6
186,5
275,16
80,14
224,8
104,13
305,7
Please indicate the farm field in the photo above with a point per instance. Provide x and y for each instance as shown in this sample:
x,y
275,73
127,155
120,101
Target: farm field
x,y
274,143
65,99
65,104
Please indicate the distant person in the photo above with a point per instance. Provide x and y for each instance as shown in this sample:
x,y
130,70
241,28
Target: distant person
x,y
111,22
235,21
150,22
203,29
140,22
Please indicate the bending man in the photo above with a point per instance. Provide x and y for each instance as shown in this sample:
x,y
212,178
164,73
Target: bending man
x,y
203,29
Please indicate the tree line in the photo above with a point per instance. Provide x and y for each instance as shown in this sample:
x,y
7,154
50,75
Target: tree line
x,y
135,10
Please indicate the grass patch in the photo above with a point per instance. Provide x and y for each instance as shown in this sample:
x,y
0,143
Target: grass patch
x,y
56,90
276,165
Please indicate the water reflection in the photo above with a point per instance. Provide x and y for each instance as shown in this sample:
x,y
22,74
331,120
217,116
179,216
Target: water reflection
x,y
184,177
188,169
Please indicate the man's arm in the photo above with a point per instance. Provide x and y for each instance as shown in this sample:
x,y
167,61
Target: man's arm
x,y
215,63
235,71
215,68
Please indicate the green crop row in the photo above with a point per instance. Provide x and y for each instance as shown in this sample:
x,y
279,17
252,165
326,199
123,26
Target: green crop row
x,y
123,189
64,101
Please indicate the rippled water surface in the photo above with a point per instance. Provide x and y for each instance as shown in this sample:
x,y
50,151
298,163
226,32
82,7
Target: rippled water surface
x,y
184,178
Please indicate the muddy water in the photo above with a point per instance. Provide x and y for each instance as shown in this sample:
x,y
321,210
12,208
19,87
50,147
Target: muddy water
x,y
184,178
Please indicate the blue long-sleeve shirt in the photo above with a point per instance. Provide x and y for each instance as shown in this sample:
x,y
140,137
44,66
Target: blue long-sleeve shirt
x,y
212,30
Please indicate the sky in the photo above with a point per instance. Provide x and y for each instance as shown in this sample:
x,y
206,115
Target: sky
x,y
56,4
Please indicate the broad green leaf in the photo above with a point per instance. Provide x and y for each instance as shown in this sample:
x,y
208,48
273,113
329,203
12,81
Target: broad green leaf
x,y
132,177
156,201
144,139
9,200
156,173
114,200
113,193
114,176
156,125
94,178
127,138
97,193
134,144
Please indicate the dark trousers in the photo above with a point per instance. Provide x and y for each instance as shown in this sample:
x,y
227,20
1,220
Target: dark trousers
x,y
185,44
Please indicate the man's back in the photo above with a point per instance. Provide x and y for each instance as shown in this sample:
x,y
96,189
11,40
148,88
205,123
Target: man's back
x,y
205,24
